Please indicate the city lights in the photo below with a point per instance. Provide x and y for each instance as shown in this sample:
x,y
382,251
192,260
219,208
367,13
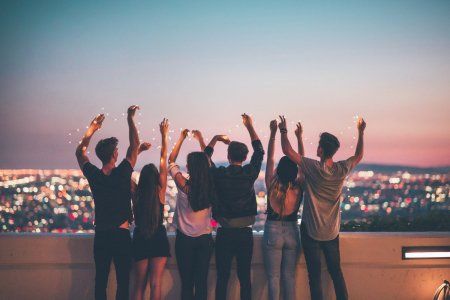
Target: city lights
x,y
61,200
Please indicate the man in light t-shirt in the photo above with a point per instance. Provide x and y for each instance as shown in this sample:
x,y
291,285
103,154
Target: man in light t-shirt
x,y
321,218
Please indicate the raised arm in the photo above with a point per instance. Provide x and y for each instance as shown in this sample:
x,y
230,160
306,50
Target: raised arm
x,y
299,135
164,128
270,166
176,149
286,145
248,123
199,137
258,150
359,151
80,152
209,150
178,177
133,149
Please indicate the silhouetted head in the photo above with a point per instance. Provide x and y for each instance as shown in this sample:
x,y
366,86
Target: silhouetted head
x,y
106,150
287,171
237,152
201,184
328,145
147,209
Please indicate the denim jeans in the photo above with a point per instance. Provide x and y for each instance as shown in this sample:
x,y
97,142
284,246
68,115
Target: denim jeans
x,y
193,256
331,252
281,249
230,243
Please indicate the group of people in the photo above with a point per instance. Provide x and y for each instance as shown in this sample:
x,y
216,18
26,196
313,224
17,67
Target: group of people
x,y
225,194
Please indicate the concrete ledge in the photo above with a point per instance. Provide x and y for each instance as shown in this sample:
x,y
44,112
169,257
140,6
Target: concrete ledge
x,y
60,266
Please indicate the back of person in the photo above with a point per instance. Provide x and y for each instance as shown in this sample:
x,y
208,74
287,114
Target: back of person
x,y
235,187
111,193
284,206
323,189
194,242
189,222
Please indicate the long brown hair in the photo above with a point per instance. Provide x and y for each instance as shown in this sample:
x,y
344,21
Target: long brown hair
x,y
284,179
201,184
148,206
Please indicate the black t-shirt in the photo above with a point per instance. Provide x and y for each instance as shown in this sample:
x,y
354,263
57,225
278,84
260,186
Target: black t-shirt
x,y
112,194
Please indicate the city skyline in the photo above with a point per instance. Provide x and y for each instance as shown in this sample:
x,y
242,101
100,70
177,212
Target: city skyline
x,y
201,65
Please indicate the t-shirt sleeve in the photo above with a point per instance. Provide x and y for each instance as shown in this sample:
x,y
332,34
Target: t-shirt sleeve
x,y
125,168
349,164
89,170
306,165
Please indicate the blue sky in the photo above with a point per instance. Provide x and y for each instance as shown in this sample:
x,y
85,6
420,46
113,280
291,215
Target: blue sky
x,y
203,63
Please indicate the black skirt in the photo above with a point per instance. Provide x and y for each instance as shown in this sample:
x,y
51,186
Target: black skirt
x,y
156,245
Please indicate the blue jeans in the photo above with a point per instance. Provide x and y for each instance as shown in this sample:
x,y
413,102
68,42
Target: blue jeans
x,y
281,248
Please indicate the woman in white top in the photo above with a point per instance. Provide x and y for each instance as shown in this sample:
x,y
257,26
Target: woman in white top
x,y
194,243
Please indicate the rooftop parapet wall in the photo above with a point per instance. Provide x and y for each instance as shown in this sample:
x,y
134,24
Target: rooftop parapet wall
x,y
60,266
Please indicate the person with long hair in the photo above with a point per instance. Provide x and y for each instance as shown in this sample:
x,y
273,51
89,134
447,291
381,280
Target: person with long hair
x,y
150,242
281,239
194,242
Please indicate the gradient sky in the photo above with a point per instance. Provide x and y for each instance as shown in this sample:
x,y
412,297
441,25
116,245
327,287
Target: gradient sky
x,y
203,63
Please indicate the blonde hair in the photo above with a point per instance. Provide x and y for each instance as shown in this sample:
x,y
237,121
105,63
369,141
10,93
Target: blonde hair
x,y
277,192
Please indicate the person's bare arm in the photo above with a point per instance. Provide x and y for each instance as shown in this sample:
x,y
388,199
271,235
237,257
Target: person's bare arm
x,y
176,149
359,151
199,137
80,152
219,138
301,149
164,129
209,150
286,145
270,166
299,135
248,123
133,135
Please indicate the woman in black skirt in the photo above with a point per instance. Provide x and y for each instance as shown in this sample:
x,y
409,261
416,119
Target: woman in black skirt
x,y
150,243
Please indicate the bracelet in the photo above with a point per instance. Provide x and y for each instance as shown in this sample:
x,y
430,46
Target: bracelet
x,y
283,130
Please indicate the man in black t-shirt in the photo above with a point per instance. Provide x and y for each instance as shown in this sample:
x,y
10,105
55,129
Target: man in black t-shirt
x,y
111,189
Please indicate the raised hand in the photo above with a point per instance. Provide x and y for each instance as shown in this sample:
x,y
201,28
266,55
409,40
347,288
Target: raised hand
x,y
196,134
184,133
144,147
97,122
282,124
273,126
247,120
132,110
223,138
164,126
299,130
361,124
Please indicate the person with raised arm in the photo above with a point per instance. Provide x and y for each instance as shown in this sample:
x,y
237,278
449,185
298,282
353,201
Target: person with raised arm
x,y
150,242
321,217
235,209
194,242
111,190
281,239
